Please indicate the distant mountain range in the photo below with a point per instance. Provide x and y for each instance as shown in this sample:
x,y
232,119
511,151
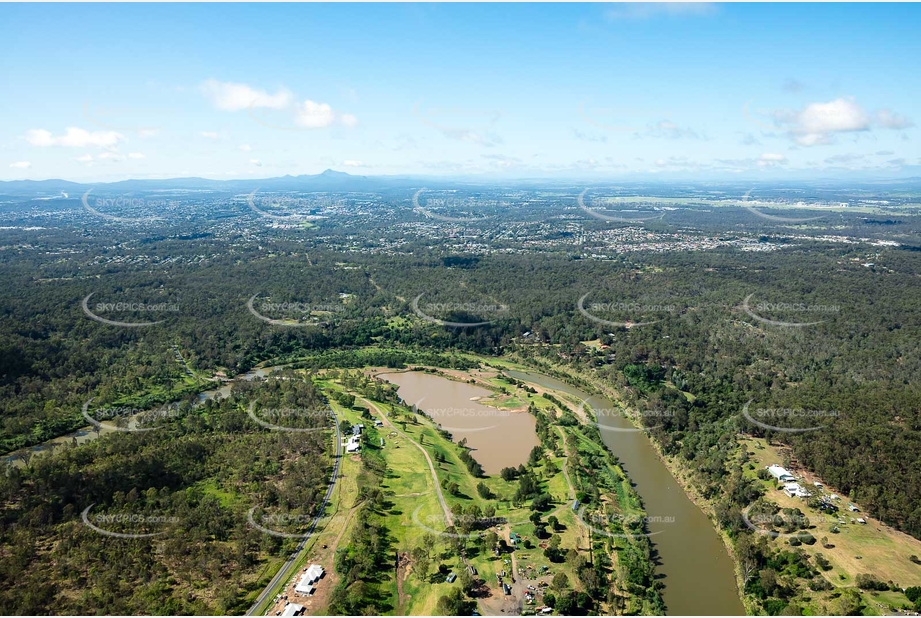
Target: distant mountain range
x,y
331,180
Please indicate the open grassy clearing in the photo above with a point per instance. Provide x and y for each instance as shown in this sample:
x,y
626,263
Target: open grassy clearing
x,y
871,548
414,517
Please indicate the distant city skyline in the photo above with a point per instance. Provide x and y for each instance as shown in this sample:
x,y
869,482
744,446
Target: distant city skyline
x,y
99,93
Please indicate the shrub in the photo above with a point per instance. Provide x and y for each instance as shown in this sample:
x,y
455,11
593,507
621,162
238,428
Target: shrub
x,y
542,502
820,584
806,538
773,607
822,562
868,582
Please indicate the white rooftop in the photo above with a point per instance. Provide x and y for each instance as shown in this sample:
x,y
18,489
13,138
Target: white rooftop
x,y
779,472
303,588
292,609
795,489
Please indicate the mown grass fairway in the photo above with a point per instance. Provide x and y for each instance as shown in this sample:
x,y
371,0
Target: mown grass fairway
x,y
486,506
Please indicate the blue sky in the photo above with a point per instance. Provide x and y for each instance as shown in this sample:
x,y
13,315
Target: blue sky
x,y
107,92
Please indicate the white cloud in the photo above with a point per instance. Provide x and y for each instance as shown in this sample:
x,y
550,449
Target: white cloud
x,y
147,132
245,147
819,123
813,139
20,165
255,162
668,130
233,97
844,159
586,137
111,156
835,116
488,139
353,163
891,120
467,125
211,134
451,166
74,137
404,141
675,163
506,162
770,159
312,115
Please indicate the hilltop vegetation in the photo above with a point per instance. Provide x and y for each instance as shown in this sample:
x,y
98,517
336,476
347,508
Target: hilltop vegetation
x,y
189,485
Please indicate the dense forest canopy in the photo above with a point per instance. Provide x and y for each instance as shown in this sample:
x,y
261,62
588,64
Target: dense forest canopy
x,y
740,315
182,493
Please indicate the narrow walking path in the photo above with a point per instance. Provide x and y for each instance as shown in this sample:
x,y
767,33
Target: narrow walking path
x,y
449,518
572,490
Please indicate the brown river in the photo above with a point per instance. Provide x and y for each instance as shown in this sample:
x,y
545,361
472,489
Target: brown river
x,y
698,573
693,562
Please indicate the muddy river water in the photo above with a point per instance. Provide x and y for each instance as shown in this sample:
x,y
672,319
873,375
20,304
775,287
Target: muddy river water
x,y
499,438
697,571
695,567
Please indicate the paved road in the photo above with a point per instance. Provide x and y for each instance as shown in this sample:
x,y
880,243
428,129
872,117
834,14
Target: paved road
x,y
284,572
444,505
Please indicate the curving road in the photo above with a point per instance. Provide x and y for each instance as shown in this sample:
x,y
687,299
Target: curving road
x,y
284,572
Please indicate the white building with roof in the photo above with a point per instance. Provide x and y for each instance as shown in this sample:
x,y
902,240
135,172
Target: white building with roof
x,y
310,577
353,445
303,587
780,473
315,572
795,490
293,609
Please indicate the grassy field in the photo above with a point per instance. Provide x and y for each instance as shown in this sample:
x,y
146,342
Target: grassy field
x,y
871,548
415,516
883,551
419,519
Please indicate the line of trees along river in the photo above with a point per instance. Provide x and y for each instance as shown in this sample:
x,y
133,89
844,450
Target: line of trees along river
x,y
698,572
